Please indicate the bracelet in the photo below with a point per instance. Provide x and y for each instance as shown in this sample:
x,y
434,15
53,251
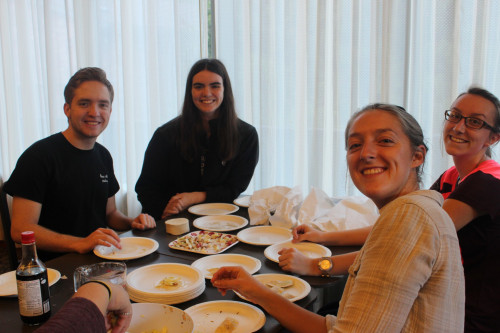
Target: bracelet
x,y
105,284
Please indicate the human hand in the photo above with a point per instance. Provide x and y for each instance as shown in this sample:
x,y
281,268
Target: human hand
x,y
115,306
293,260
174,206
181,201
238,279
119,310
143,222
102,236
305,232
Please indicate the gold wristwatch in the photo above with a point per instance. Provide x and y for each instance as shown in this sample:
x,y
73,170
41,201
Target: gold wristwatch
x,y
325,265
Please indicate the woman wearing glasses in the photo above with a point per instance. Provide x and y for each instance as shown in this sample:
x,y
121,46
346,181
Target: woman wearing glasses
x,y
471,189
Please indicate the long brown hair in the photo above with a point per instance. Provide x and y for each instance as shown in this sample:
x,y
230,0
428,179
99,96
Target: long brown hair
x,y
192,131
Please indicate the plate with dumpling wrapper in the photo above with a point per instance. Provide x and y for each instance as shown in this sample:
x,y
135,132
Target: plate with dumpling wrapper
x,y
288,286
215,316
155,317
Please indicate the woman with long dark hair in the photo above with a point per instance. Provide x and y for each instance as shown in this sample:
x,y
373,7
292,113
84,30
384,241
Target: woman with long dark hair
x,y
207,154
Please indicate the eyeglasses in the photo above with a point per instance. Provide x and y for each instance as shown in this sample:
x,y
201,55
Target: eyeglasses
x,y
470,122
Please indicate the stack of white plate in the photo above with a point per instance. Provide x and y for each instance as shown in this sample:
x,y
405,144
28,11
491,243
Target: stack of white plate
x,y
142,284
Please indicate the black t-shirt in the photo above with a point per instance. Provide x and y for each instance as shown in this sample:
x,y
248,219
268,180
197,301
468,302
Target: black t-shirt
x,y
165,173
72,185
479,242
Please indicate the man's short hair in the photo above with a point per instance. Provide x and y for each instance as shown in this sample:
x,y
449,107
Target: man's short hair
x,y
84,75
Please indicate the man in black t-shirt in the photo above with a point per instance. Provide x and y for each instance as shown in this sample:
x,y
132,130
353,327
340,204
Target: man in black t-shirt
x,y
63,186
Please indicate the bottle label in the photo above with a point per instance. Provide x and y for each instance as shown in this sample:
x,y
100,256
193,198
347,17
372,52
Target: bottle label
x,y
32,301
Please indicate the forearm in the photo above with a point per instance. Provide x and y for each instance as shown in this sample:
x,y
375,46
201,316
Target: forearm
x,y
341,264
96,293
118,221
461,213
25,216
292,316
346,237
196,198
46,239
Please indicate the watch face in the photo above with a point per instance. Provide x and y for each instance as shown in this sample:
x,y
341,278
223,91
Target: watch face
x,y
325,264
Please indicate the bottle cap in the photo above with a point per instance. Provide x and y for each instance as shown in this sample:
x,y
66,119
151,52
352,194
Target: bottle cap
x,y
27,237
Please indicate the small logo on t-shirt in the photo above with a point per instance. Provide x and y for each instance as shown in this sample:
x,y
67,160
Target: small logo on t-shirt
x,y
104,178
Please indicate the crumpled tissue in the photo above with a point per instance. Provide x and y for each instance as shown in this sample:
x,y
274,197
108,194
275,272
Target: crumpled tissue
x,y
347,213
264,202
286,214
284,207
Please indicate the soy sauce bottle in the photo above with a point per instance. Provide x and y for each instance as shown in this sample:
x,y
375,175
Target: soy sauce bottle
x,y
32,284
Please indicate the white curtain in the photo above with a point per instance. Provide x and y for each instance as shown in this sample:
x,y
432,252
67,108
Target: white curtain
x,y
301,68
146,48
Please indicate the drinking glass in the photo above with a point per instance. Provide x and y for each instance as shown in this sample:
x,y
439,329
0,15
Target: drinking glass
x,y
114,272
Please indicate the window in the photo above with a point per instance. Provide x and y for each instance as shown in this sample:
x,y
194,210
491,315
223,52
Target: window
x,y
298,69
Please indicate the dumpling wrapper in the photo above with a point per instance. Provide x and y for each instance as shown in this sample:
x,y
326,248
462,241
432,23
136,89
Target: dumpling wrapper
x,y
168,282
280,283
213,270
227,326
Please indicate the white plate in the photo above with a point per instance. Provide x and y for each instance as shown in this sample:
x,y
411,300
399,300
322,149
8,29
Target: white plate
x,y
311,250
220,222
209,315
213,209
264,235
8,283
299,289
144,280
243,201
250,264
147,317
132,248
219,243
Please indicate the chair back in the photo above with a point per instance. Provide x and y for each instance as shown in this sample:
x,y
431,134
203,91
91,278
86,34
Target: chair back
x,y
5,216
